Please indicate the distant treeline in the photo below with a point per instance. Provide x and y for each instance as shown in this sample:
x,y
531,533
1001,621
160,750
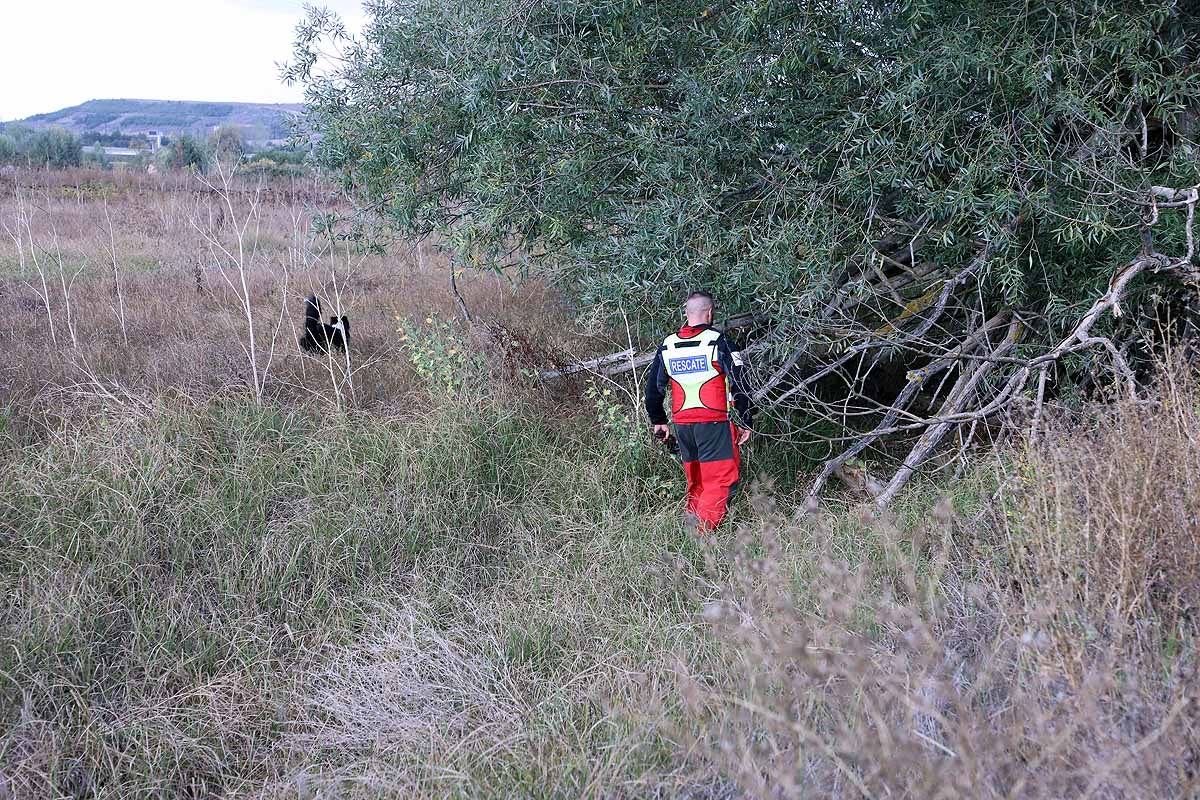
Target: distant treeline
x,y
117,139
56,148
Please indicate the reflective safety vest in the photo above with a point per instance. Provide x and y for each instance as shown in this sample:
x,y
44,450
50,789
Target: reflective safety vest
x,y
699,389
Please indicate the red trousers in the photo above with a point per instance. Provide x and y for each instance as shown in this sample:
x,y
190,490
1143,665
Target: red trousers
x,y
710,458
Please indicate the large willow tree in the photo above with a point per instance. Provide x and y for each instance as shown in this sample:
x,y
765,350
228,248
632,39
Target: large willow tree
x,y
939,208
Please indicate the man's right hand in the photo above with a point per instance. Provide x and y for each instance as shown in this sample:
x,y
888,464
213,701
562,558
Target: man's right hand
x,y
661,432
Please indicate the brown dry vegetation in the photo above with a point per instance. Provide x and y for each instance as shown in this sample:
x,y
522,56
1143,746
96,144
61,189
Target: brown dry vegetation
x,y
440,592
1050,652
185,327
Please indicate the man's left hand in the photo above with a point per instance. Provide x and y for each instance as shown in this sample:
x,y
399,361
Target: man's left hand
x,y
743,436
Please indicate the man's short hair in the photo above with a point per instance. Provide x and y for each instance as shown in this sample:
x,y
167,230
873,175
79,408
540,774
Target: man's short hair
x,y
699,303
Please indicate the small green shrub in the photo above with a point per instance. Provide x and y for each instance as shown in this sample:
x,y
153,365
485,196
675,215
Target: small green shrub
x,y
441,355
618,421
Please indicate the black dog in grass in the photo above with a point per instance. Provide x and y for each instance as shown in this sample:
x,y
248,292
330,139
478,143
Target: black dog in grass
x,y
320,336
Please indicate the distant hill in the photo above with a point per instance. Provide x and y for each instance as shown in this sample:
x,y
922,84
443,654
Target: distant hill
x,y
260,121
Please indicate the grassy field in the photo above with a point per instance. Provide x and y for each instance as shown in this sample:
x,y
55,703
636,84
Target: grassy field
x,y
419,573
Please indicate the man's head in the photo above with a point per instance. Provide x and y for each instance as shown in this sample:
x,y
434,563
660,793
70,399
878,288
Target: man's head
x,y
699,308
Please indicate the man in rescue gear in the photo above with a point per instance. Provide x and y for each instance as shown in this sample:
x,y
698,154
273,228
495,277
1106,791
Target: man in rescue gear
x,y
703,370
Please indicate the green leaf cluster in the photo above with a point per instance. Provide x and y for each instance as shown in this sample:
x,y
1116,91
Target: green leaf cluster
x,y
767,150
441,355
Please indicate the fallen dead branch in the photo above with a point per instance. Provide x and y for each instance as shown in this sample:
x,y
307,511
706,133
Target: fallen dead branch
x,y
964,369
630,359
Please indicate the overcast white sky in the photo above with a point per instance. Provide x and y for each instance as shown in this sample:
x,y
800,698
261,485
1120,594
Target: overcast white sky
x,y
57,53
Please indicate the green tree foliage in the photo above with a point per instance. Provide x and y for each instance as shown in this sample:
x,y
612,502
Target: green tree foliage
x,y
8,149
115,139
54,148
22,135
282,155
227,143
879,177
185,152
96,155
766,149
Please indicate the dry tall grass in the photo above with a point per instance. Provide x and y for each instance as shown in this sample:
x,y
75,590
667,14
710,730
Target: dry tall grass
x,y
151,283
1114,521
1051,654
218,592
